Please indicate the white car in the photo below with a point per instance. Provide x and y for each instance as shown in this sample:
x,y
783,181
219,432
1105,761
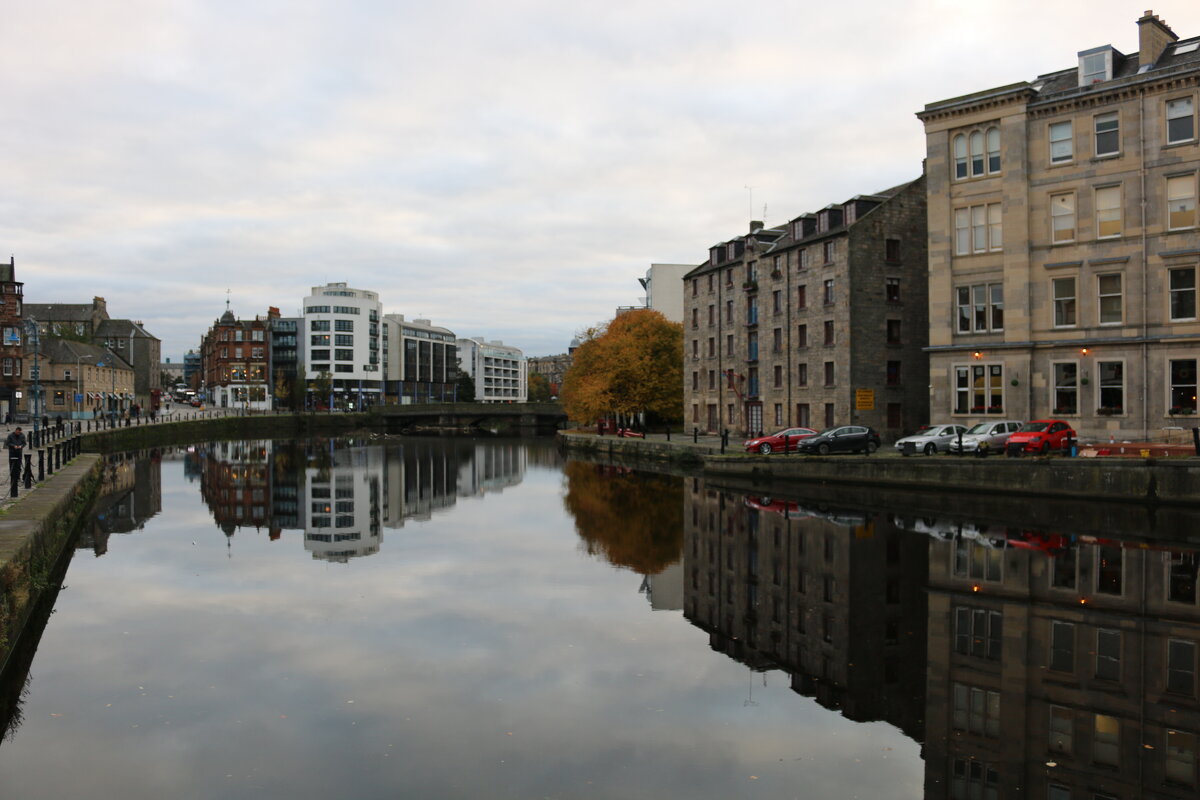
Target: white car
x,y
931,440
991,434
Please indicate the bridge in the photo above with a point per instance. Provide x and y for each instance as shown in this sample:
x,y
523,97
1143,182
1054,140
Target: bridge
x,y
512,418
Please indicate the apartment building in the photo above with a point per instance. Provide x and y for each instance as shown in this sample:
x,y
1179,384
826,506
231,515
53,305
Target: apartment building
x,y
420,361
819,322
12,323
1064,242
500,372
235,362
341,338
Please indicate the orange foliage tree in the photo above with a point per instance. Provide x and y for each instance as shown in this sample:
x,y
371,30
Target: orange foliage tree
x,y
632,366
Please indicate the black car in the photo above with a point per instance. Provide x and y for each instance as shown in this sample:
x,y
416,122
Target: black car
x,y
843,439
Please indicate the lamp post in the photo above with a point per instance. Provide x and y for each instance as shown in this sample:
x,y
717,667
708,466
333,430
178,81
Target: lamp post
x,y
79,383
31,335
112,411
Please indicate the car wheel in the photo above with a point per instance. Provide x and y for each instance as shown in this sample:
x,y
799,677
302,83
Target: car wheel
x,y
871,447
823,449
765,449
931,449
1045,448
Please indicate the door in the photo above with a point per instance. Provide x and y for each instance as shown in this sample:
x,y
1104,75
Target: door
x,y
754,419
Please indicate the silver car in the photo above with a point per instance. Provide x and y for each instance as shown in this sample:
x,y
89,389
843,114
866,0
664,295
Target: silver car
x,y
933,439
992,434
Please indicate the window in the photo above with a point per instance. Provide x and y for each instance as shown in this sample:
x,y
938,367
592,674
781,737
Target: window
x,y
1183,384
891,290
893,331
1062,646
1064,569
960,156
1109,570
1061,149
712,315
729,344
977,229
778,382
976,710
776,302
695,318
60,397
729,312
829,292
976,153
1106,736
712,346
1108,654
1064,302
1181,757
802,260
993,149
320,339
1108,134
980,308
829,374
1181,666
828,332
976,561
978,388
802,413
1181,202
802,374
802,336
1181,577
752,347
1062,218
1093,68
1112,386
712,379
891,250
1108,287
830,251
974,779
343,355
1181,125
802,296
893,374
1062,730
978,632
319,325
777,340
1108,212
1182,287
695,381
347,325
829,409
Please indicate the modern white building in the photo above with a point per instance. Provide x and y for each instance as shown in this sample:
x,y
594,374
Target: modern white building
x,y
664,289
500,372
420,361
342,337
341,512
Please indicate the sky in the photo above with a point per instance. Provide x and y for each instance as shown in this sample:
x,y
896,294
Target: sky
x,y
506,170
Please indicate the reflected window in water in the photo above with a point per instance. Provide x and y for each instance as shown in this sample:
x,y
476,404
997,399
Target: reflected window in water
x,y
1108,654
1062,647
1110,565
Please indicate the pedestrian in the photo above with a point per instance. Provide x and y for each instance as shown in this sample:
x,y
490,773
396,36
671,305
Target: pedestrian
x,y
15,444
58,423
46,422
8,418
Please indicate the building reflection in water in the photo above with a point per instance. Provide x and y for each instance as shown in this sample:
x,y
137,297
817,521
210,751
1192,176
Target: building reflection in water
x,y
342,493
130,493
1027,663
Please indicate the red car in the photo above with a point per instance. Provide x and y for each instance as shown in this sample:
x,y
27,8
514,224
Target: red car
x,y
773,443
1041,436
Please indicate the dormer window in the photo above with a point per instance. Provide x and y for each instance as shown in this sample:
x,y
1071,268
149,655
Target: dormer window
x,y
850,212
822,221
1095,65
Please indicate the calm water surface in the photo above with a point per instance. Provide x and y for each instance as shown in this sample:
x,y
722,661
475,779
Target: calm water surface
x,y
448,618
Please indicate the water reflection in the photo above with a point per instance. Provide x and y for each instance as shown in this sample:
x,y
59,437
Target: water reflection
x,y
1028,663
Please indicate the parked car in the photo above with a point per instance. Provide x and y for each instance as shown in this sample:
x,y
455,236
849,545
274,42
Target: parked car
x,y
1040,436
842,439
773,443
931,440
991,434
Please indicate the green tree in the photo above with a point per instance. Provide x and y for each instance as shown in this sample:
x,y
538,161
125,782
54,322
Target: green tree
x,y
539,389
322,386
466,388
283,389
633,365
299,385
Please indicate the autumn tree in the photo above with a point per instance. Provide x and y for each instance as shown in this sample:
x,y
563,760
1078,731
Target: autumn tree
x,y
539,389
632,366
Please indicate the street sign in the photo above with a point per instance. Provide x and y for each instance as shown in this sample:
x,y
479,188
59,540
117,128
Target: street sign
x,y
864,399
35,373
78,397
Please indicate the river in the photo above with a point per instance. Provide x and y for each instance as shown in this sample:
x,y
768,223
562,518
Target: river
x,y
456,618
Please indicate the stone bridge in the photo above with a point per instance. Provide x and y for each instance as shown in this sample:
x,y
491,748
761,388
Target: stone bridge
x,y
524,419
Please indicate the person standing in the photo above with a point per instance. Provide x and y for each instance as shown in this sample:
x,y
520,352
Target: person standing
x,y
16,446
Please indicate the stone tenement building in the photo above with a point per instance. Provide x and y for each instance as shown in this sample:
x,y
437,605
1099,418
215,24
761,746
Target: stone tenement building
x,y
818,322
1064,242
235,359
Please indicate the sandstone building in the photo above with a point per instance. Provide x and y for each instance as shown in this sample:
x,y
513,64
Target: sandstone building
x,y
818,322
1064,242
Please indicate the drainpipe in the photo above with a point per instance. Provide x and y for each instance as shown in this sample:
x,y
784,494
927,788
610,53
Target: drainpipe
x,y
1145,268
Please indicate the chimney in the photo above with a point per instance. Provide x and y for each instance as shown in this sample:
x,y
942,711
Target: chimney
x,y
1153,38
755,225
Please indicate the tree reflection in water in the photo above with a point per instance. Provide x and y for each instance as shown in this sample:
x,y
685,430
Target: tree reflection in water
x,y
634,520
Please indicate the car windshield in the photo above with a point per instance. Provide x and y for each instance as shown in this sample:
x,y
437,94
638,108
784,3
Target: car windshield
x,y
980,428
1034,427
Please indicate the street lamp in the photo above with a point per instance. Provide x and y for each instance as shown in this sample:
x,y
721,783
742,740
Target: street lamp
x,y
31,335
112,410
79,383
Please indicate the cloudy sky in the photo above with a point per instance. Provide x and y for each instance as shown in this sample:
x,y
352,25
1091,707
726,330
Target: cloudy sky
x,y
506,169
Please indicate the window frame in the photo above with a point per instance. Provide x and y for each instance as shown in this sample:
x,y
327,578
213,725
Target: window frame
x,y
1115,213
1103,384
1114,133
1067,150
1183,291
1190,116
1064,305
1101,295
1070,212
1187,180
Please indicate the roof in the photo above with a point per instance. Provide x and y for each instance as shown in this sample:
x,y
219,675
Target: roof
x,y
123,328
66,351
59,312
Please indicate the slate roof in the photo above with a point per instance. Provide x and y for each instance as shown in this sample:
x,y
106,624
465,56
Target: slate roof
x,y
60,312
65,351
122,328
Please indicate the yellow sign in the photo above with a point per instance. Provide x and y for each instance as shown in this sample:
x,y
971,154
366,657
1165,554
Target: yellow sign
x,y
864,399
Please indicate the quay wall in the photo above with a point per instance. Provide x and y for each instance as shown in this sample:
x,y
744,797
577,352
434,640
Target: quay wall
x,y
1171,481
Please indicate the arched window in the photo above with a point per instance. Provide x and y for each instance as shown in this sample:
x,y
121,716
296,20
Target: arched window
x,y
976,153
960,157
993,149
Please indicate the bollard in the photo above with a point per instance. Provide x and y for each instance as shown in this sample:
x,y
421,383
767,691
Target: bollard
x,y
695,435
28,471
41,466
785,444
57,457
49,462
1196,440
668,433
960,450
14,470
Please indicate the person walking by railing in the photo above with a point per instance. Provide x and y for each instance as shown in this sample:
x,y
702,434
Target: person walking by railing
x,y
16,446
